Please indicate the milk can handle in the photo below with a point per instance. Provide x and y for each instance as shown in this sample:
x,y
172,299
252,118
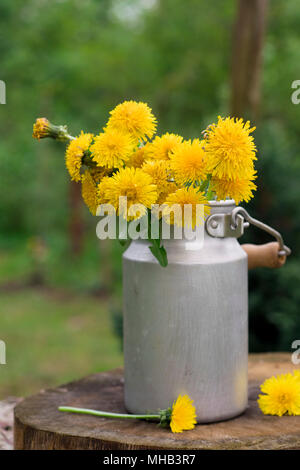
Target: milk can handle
x,y
283,249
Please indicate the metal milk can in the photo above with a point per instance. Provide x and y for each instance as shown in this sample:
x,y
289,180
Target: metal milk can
x,y
186,325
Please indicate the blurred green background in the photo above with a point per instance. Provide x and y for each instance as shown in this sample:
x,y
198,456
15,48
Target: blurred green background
x,y
72,62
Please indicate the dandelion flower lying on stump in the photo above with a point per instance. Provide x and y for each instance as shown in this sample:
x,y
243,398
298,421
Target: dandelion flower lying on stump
x,y
181,417
297,374
282,395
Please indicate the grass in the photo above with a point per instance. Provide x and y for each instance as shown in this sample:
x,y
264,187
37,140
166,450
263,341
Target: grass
x,y
57,312
52,337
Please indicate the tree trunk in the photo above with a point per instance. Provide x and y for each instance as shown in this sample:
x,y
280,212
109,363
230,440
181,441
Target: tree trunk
x,y
39,425
247,58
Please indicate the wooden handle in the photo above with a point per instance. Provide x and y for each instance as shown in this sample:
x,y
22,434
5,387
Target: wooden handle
x,y
264,256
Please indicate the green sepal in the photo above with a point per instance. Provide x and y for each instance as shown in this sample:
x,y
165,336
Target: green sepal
x,y
165,417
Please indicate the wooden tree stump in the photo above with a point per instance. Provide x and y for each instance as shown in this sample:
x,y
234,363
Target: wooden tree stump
x,y
39,424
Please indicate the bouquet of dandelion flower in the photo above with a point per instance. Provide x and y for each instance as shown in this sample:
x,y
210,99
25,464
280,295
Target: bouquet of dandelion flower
x,y
126,160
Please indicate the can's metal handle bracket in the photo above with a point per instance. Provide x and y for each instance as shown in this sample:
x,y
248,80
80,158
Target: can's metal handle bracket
x,y
220,226
241,212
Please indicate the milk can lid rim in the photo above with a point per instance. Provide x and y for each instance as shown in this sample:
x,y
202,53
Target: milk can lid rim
x,y
228,202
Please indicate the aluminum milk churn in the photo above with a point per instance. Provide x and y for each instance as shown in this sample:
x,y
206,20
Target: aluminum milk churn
x,y
186,325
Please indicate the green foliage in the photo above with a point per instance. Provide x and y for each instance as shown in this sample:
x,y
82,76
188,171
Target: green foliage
x,y
159,252
73,61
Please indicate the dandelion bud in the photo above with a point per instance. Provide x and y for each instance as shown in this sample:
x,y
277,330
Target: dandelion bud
x,y
43,128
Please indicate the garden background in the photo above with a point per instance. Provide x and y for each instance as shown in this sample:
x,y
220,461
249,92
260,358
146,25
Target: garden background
x,y
72,62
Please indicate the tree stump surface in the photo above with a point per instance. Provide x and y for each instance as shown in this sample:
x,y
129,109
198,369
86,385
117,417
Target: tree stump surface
x,y
6,422
39,425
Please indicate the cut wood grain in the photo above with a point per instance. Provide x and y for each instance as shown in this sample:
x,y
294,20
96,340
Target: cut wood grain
x,y
39,424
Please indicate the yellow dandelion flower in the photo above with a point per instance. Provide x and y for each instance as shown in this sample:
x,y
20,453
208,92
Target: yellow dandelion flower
x,y
99,172
282,395
75,152
101,189
159,170
297,373
183,416
229,148
112,148
188,162
239,189
138,157
135,118
89,192
169,188
41,128
159,206
134,184
162,147
182,198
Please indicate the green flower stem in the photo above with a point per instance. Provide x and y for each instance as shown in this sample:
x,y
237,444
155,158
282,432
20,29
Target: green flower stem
x,y
106,414
69,137
59,133
209,194
205,185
